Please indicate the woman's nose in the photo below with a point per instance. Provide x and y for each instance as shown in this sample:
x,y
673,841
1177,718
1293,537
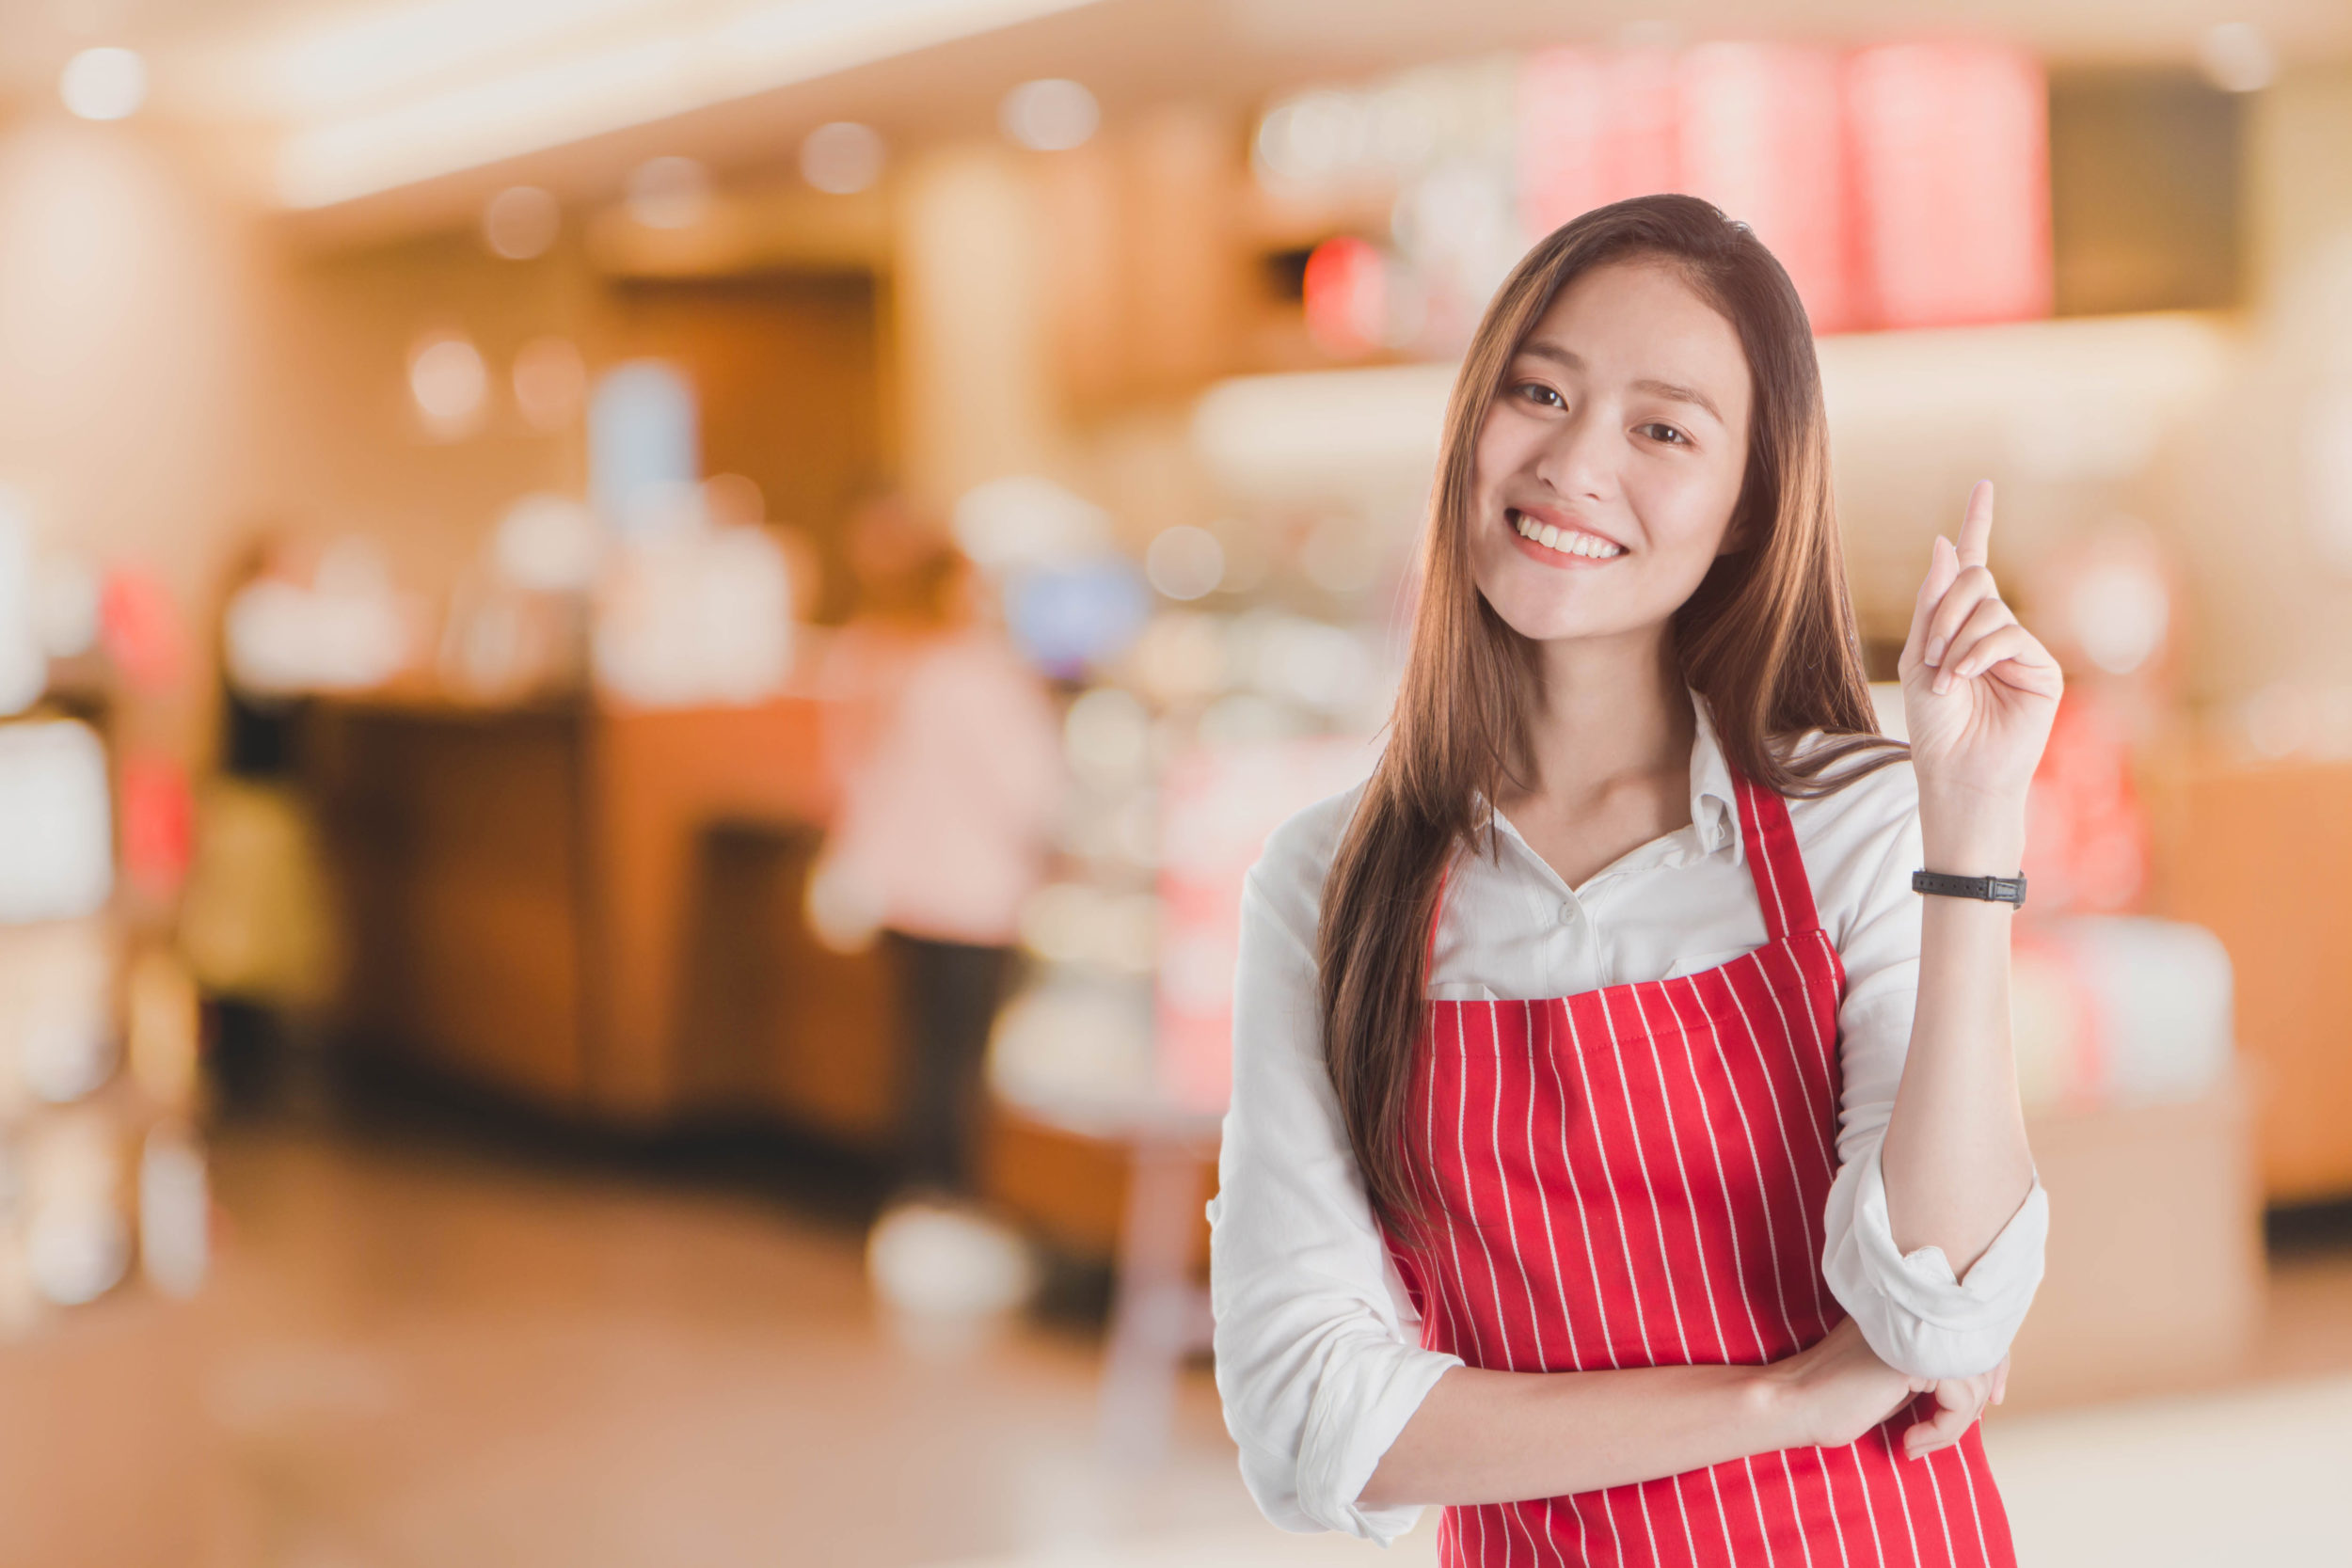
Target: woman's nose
x,y
1579,461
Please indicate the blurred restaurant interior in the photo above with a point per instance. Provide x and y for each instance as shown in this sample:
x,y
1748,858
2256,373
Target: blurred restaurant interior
x,y
484,484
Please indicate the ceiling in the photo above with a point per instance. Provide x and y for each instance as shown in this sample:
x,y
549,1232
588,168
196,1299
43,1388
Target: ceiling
x,y
386,76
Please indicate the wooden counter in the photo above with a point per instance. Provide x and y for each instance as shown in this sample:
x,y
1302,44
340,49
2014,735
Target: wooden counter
x,y
529,895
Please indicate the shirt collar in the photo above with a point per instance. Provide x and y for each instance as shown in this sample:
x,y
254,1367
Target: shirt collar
x,y
1715,800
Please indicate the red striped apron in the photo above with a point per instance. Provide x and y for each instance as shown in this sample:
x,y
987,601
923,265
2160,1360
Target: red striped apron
x,y
1634,1176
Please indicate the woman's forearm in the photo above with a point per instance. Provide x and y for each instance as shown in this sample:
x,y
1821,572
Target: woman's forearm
x,y
1486,1437
1955,1158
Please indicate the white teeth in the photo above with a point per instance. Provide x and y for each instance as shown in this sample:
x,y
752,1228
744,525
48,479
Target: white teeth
x,y
1566,541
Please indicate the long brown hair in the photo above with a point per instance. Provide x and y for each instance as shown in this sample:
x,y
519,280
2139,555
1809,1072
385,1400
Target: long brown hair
x,y
1768,638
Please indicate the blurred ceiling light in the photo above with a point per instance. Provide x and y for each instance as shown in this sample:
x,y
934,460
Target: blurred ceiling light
x,y
1050,114
384,110
2237,58
449,381
386,48
842,158
521,222
1184,561
550,383
105,84
669,192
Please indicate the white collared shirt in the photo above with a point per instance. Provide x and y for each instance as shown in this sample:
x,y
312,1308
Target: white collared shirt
x,y
1318,1348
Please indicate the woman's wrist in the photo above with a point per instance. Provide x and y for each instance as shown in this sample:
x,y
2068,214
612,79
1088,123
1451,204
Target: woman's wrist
x,y
1968,834
1773,1398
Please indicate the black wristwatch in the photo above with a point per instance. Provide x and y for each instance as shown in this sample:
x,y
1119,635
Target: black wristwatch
x,y
1996,890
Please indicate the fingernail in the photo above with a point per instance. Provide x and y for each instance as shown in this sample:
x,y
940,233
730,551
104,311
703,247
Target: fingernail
x,y
1935,652
1942,682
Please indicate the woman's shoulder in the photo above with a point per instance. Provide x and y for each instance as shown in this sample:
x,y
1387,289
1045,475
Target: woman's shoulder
x,y
1299,852
1287,880
1879,795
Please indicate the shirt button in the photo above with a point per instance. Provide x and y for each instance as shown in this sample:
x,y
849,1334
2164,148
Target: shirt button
x,y
1567,914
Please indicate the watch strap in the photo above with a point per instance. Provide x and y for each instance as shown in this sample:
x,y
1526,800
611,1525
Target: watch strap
x,y
1995,890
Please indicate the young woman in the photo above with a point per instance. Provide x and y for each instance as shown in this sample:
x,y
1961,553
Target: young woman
x,y
1622,1153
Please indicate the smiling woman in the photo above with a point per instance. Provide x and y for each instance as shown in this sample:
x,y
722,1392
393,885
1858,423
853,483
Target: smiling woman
x,y
1658,1267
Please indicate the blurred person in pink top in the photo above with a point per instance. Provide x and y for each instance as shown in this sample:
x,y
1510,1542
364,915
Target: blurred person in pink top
x,y
948,753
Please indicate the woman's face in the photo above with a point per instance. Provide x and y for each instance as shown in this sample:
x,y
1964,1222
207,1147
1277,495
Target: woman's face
x,y
1619,440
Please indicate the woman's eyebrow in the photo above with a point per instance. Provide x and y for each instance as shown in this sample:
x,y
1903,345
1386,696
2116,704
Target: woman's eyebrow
x,y
1668,389
1673,393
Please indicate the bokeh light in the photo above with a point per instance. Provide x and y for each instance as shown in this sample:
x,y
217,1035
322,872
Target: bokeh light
x,y
56,822
23,662
1184,561
105,84
1346,295
1309,138
1066,618
1050,114
669,192
2120,611
550,383
549,544
1026,520
521,222
842,158
447,382
2236,56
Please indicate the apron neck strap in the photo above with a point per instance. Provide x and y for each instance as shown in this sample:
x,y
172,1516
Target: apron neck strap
x,y
1771,845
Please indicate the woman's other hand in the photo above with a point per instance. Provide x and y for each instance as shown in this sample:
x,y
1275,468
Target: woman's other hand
x,y
1839,1389
1979,690
1959,1400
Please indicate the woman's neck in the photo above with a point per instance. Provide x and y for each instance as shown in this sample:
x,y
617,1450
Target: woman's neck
x,y
1609,751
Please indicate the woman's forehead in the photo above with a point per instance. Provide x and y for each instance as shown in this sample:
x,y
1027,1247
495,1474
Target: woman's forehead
x,y
1641,322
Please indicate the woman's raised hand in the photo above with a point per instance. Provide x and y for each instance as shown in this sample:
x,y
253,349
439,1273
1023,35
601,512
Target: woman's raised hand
x,y
1979,690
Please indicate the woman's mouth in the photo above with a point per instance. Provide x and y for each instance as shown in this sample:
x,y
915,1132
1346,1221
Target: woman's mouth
x,y
1562,540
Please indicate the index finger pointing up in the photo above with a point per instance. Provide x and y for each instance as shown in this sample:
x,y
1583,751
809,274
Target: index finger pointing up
x,y
1976,529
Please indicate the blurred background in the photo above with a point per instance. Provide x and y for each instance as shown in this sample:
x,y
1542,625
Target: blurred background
x,y
642,642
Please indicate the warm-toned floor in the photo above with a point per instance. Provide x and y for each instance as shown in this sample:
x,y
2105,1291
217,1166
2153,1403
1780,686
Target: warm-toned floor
x,y
413,1353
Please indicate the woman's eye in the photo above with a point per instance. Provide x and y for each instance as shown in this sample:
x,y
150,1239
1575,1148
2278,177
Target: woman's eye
x,y
1537,391
1666,433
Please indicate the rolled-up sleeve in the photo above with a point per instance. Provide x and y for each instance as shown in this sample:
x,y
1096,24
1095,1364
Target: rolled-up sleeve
x,y
1318,1356
1917,1314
